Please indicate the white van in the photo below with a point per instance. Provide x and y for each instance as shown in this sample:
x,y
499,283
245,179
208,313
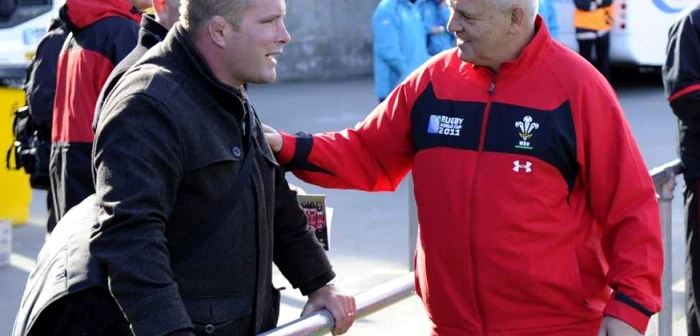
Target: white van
x,y
640,33
23,23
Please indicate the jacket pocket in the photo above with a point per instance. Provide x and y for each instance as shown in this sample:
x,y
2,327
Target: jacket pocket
x,y
225,315
272,313
595,292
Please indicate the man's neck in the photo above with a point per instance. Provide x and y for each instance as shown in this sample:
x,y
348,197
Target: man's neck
x,y
517,48
162,23
211,55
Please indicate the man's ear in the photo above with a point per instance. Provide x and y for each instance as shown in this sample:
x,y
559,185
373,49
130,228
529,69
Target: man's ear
x,y
517,19
159,6
216,27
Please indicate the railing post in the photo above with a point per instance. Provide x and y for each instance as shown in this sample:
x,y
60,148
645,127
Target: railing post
x,y
665,206
665,180
412,223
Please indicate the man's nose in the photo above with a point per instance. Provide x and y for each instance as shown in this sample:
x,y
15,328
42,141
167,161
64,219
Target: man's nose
x,y
452,25
285,37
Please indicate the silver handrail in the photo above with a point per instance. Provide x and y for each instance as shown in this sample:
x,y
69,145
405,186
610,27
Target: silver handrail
x,y
367,302
665,182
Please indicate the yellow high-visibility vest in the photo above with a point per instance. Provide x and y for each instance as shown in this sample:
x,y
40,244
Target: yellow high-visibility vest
x,y
598,20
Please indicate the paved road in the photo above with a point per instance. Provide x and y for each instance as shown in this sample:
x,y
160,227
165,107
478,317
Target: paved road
x,y
369,230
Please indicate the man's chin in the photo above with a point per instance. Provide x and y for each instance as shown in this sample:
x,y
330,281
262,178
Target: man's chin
x,y
465,56
268,77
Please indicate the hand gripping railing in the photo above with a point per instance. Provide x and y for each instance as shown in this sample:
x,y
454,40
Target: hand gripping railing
x,y
367,303
665,181
398,289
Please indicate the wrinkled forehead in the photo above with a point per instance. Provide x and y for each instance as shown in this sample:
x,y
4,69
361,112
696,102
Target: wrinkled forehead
x,y
470,6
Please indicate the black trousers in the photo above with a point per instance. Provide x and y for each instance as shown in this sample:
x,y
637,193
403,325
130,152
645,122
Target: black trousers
x,y
602,53
692,262
51,221
70,173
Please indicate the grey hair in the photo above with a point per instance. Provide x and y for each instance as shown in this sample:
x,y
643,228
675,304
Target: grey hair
x,y
531,7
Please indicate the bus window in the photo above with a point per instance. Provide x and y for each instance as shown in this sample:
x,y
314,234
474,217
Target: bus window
x,y
16,12
23,3
7,7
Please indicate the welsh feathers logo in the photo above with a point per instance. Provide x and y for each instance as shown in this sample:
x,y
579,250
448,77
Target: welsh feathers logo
x,y
526,128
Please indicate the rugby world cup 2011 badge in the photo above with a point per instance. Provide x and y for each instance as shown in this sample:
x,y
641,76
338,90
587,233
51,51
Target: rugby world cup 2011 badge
x,y
444,125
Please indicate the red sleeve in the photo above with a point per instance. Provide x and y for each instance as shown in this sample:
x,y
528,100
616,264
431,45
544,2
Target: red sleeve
x,y
623,200
373,156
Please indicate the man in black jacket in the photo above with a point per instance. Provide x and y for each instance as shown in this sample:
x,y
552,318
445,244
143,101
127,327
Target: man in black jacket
x,y
681,77
41,90
174,135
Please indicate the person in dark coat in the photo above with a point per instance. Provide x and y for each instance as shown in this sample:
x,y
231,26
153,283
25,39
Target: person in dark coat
x,y
681,78
101,34
40,91
172,139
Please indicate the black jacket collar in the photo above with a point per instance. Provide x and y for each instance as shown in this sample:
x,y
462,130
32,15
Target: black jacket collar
x,y
197,66
151,31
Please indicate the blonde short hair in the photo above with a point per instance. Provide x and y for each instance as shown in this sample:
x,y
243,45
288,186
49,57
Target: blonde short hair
x,y
195,12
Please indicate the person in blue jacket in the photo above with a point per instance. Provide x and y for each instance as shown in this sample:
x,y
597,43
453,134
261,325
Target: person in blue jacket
x,y
400,43
436,14
549,14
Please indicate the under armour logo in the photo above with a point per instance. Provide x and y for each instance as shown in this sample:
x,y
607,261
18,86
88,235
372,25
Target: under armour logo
x,y
517,166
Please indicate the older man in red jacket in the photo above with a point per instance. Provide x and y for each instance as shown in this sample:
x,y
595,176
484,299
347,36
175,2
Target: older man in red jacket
x,y
537,213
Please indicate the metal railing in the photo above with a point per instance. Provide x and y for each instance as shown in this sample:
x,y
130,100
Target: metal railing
x,y
384,295
367,303
665,181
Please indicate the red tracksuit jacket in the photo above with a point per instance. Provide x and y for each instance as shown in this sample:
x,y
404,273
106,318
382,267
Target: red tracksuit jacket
x,y
102,33
537,213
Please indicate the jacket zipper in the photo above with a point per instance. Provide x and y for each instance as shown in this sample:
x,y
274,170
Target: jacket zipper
x,y
482,139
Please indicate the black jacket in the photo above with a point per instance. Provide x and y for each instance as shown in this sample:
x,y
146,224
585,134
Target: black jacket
x,y
150,33
101,34
681,78
40,88
64,267
167,148
41,77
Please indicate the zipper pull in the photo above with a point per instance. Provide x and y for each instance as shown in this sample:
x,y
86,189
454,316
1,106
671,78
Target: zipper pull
x,y
492,88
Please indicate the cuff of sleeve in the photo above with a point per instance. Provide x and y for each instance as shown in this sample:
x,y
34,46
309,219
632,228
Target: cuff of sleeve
x,y
288,148
620,309
160,313
680,93
317,283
